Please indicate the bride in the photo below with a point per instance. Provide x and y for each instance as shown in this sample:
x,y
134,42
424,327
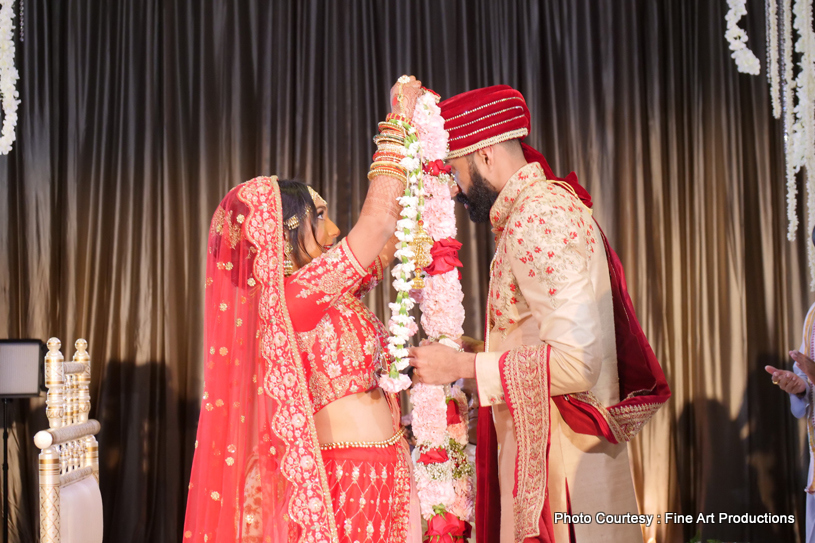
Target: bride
x,y
296,443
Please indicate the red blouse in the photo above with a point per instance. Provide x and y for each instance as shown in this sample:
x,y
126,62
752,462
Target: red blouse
x,y
342,343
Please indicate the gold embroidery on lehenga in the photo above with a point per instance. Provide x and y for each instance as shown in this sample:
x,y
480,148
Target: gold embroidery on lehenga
x,y
329,274
335,341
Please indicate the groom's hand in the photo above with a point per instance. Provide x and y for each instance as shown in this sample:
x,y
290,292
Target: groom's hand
x,y
437,364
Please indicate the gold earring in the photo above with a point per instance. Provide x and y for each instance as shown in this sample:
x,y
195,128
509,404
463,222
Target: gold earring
x,y
288,266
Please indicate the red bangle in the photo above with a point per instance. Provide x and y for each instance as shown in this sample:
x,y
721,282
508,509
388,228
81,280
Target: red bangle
x,y
393,157
398,117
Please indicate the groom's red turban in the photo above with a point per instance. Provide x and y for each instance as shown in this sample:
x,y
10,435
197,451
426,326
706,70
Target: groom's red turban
x,y
484,117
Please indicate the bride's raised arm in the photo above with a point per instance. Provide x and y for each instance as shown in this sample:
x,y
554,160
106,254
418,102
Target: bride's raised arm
x,y
380,211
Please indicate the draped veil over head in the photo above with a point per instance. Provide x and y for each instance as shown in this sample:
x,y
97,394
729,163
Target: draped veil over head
x,y
257,474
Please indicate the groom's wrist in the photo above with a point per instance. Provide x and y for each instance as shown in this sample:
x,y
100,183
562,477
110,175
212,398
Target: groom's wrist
x,y
466,365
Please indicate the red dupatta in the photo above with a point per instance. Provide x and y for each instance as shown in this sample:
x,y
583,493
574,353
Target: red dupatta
x,y
257,474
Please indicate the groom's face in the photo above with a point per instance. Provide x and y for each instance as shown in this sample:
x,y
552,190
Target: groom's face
x,y
475,191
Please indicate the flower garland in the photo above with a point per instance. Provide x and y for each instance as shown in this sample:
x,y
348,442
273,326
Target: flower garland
x,y
789,119
798,92
772,56
746,61
799,116
402,325
8,76
443,455
803,133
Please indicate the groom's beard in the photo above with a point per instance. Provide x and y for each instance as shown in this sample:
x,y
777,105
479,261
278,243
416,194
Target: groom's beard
x,y
481,197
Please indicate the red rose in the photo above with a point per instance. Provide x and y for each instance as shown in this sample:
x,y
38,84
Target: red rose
x,y
434,456
445,257
447,528
436,168
453,416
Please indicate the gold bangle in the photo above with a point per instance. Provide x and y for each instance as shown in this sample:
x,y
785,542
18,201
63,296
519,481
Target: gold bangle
x,y
391,175
393,440
391,148
387,138
388,167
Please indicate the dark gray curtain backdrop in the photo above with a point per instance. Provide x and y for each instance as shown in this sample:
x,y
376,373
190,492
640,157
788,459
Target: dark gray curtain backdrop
x,y
138,115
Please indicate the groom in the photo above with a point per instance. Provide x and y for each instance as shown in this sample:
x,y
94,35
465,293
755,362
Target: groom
x,y
566,376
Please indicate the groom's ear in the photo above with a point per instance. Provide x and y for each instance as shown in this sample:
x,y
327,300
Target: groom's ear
x,y
486,156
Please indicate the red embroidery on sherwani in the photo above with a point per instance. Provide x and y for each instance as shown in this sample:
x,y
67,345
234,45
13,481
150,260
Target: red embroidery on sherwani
x,y
525,380
556,230
549,234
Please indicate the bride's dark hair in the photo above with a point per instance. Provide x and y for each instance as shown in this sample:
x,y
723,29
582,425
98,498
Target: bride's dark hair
x,y
297,200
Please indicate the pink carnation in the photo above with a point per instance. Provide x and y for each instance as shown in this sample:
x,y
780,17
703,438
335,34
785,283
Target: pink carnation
x,y
463,505
434,493
458,432
429,414
439,213
430,127
388,384
442,310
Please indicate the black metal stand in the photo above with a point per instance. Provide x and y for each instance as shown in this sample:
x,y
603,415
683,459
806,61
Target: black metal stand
x,y
5,469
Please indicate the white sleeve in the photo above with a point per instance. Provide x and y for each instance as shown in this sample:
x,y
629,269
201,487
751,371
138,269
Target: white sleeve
x,y
799,402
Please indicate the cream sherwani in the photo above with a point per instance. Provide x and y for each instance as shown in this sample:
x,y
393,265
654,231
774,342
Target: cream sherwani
x,y
550,286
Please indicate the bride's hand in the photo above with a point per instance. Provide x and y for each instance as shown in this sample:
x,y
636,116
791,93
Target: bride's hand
x,y
404,96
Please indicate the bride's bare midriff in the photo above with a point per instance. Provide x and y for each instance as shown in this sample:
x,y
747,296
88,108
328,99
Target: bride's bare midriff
x,y
360,417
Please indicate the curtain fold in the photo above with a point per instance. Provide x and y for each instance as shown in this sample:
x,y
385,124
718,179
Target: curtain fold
x,y
138,115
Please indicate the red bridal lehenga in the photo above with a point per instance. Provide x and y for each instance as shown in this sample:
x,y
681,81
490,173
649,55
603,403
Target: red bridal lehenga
x,y
277,350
